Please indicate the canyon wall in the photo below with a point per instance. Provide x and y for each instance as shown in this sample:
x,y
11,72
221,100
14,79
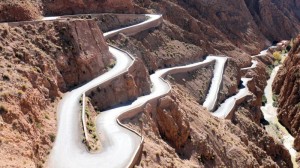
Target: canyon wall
x,y
39,61
287,85
277,20
123,89
236,29
180,133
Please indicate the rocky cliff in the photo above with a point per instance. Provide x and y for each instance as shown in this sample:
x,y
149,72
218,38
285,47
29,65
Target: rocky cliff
x,y
233,28
39,61
213,31
287,85
123,89
180,133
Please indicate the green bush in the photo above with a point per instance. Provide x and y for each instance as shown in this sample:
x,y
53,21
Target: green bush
x,y
3,109
275,99
277,55
264,100
52,137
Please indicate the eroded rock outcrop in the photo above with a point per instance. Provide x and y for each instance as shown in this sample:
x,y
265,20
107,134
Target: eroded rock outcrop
x,y
244,118
85,52
211,142
172,124
230,82
190,31
123,89
277,20
196,83
287,85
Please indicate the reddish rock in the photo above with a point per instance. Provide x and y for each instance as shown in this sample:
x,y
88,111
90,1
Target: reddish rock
x,y
286,85
196,82
267,13
19,10
173,125
230,82
122,89
211,142
39,61
80,61
69,7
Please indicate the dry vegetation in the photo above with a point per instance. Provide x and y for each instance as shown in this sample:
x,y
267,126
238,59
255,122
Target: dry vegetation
x,y
92,141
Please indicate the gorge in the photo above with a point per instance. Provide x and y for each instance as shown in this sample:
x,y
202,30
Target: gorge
x,y
152,83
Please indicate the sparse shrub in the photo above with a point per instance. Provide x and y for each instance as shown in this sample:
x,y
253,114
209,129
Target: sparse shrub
x,y
275,98
199,158
38,125
47,116
277,55
19,55
20,92
111,64
276,63
270,69
52,137
24,87
5,77
37,69
264,100
3,109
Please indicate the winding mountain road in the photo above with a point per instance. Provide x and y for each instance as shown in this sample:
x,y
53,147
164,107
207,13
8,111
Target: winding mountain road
x,y
211,98
229,104
120,146
68,150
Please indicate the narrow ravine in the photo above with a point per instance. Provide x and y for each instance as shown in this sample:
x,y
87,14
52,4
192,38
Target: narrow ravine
x,y
275,129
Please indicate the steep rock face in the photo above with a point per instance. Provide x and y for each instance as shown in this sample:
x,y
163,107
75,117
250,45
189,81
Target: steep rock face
x,y
123,89
172,124
86,55
19,10
211,142
259,77
196,83
206,145
157,50
232,28
230,82
33,72
243,118
223,16
69,7
277,20
287,86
